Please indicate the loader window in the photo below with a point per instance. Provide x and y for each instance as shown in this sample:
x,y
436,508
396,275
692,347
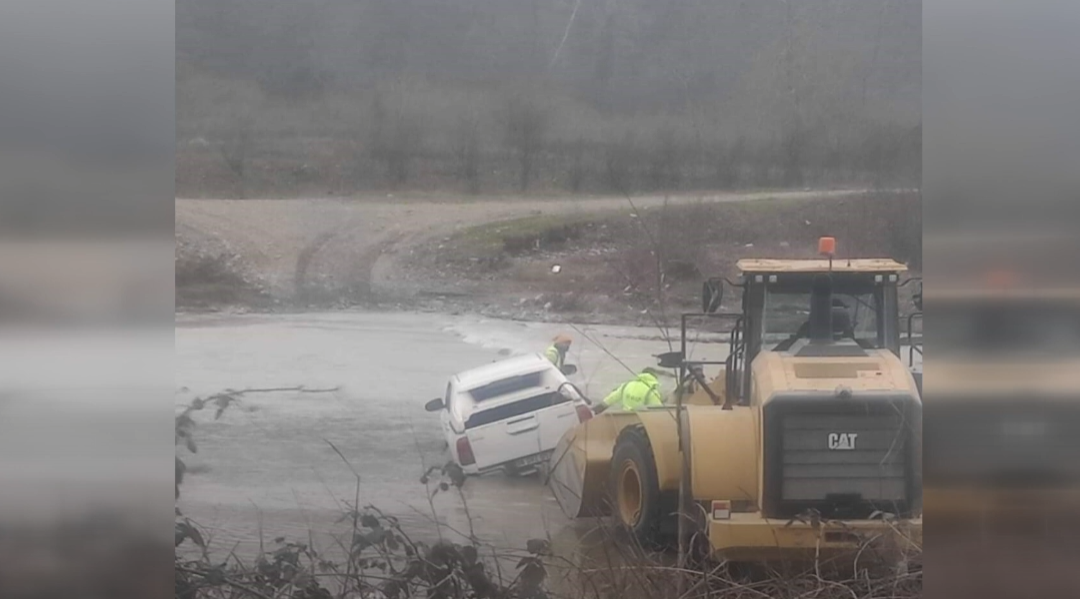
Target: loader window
x,y
785,312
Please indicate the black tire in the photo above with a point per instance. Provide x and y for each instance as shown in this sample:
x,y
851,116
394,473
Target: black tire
x,y
633,462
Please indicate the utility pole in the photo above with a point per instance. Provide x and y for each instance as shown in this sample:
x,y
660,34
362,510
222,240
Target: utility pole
x,y
684,511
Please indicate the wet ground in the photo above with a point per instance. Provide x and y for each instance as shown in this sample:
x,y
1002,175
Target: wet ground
x,y
266,469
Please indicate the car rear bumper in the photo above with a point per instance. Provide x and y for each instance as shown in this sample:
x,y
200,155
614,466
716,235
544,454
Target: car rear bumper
x,y
520,465
750,537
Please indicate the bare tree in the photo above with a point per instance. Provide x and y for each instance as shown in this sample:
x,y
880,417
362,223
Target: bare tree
x,y
833,162
526,125
764,157
664,161
577,165
618,163
730,164
466,149
604,65
406,142
287,63
236,145
793,146
396,138
377,133
793,136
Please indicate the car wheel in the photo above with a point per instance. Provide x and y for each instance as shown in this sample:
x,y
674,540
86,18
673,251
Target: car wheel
x,y
543,469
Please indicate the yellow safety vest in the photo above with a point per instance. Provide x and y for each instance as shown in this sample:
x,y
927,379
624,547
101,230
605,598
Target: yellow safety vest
x,y
642,392
555,356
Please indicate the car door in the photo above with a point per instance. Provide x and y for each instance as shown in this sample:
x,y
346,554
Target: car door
x,y
555,420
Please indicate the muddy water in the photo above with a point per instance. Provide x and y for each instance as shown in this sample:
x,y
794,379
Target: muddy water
x,y
266,469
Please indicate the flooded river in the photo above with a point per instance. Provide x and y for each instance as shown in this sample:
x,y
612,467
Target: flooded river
x,y
266,469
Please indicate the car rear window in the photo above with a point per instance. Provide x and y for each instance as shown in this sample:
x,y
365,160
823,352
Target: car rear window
x,y
506,386
518,408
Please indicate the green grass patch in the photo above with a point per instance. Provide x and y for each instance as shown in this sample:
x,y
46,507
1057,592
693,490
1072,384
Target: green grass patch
x,y
516,235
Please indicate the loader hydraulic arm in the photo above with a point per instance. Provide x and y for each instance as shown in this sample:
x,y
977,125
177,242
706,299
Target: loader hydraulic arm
x,y
699,378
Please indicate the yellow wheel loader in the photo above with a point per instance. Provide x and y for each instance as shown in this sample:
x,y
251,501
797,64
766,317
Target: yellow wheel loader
x,y
805,443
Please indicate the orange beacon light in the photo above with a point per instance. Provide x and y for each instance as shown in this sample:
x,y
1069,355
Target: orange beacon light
x,y
827,246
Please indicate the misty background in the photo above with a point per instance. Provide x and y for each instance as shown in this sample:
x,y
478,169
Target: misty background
x,y
285,98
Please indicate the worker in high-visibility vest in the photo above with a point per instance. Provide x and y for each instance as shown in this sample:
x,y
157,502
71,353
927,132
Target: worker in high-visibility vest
x,y
643,391
557,351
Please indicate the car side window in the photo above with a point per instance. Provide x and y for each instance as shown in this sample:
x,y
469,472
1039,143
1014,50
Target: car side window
x,y
449,394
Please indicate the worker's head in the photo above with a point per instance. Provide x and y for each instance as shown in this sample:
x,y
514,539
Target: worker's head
x,y
646,376
563,341
841,319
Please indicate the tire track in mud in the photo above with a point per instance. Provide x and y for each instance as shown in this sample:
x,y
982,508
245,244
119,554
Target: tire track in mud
x,y
350,267
303,262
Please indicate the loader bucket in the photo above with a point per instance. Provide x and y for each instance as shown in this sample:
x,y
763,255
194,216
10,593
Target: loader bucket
x,y
566,475
579,467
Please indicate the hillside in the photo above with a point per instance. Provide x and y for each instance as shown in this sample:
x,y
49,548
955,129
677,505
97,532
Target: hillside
x,y
284,99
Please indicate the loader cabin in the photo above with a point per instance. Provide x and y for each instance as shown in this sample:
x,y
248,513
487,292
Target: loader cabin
x,y
816,349
818,308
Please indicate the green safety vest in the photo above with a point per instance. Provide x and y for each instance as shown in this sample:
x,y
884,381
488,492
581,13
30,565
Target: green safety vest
x,y
554,355
642,392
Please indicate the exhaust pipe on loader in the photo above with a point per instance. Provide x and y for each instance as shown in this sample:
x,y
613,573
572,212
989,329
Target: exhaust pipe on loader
x,y
821,326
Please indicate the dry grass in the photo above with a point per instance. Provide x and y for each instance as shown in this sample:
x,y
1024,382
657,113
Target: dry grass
x,y
382,560
655,259
208,276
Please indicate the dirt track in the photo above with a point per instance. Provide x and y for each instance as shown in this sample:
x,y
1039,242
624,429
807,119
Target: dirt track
x,y
289,243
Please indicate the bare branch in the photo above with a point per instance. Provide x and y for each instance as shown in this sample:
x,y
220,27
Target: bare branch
x,y
566,34
232,583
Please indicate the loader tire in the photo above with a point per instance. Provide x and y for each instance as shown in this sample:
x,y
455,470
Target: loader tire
x,y
634,488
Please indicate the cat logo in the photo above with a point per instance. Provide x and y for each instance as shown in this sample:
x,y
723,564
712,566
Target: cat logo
x,y
842,441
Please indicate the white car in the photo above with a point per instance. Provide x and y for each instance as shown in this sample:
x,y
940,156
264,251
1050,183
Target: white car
x,y
509,415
